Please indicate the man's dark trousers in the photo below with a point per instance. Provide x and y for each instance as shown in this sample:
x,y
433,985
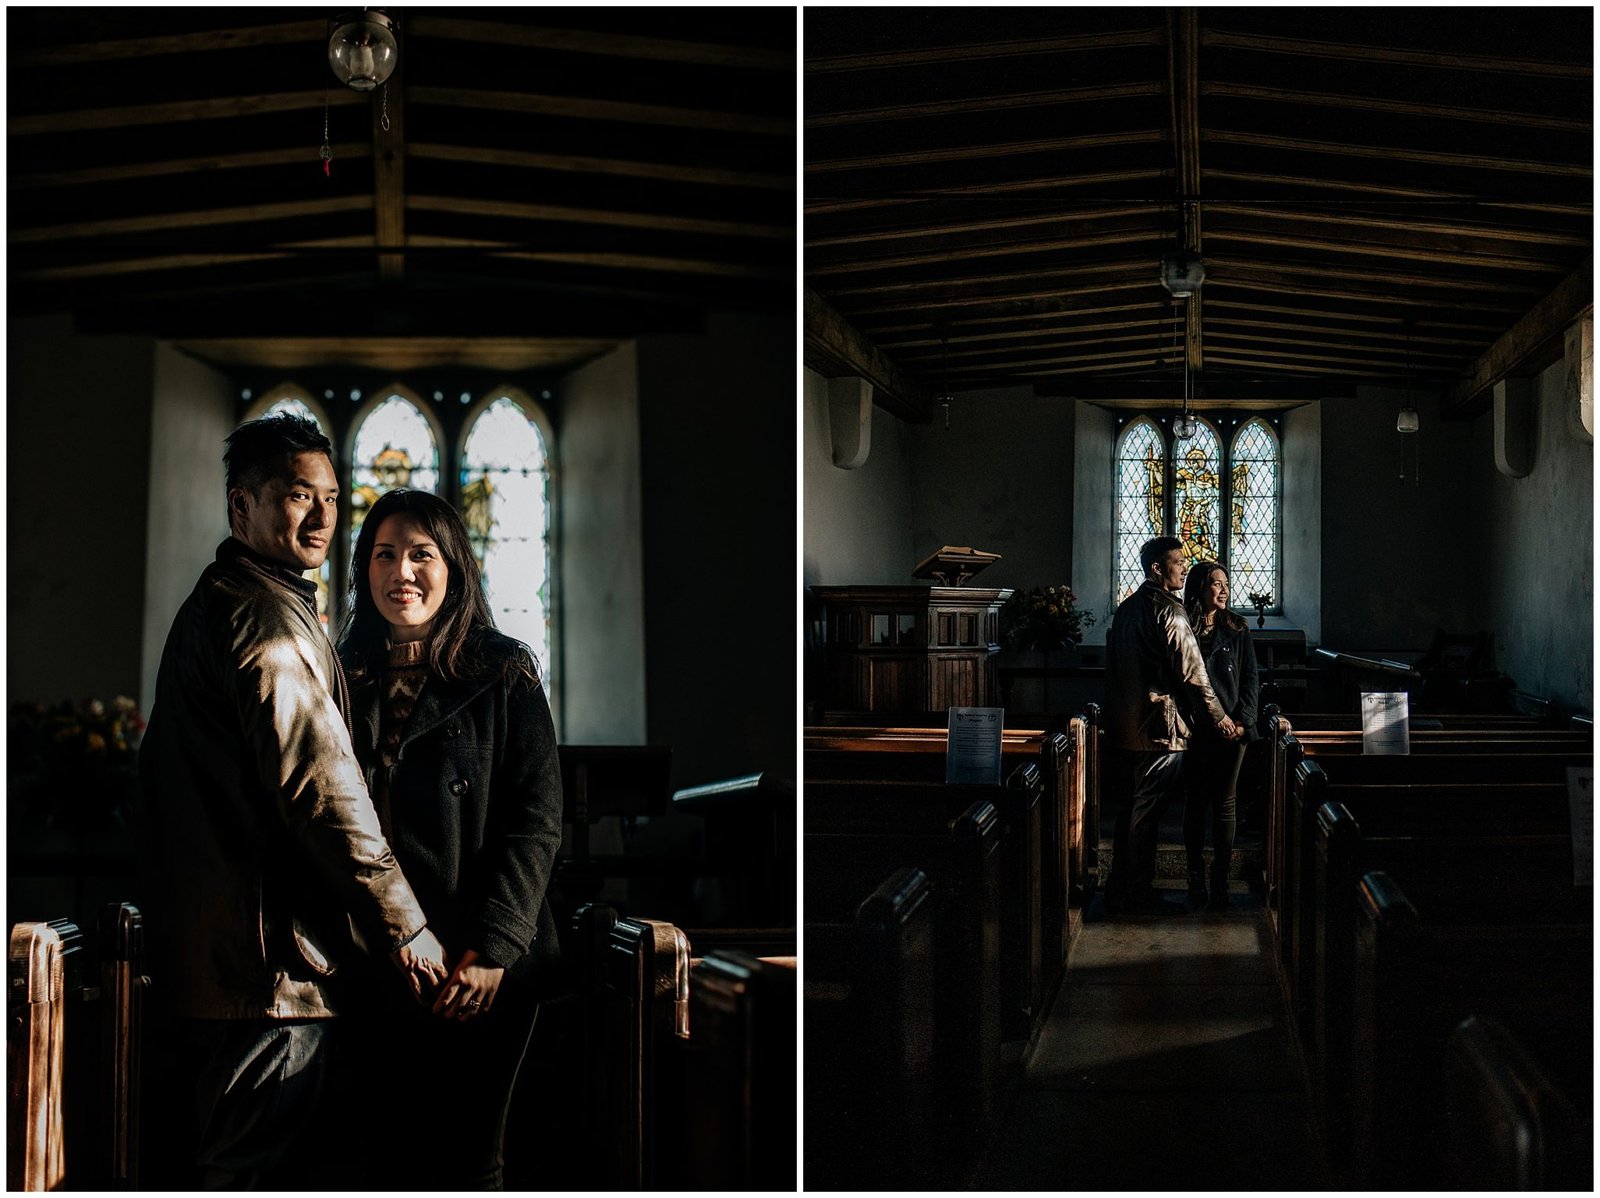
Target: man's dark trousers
x,y
1148,781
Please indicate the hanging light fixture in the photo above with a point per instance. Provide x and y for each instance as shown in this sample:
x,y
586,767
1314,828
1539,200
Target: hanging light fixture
x,y
362,51
944,372
1406,422
1185,426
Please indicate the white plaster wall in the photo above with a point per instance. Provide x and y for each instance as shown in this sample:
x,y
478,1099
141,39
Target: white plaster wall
x,y
191,412
1301,439
857,522
1000,478
78,450
601,617
1537,554
1092,515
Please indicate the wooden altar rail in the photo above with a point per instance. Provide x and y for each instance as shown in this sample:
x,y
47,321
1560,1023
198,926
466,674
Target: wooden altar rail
x,y
73,1047
1472,868
1420,969
661,1026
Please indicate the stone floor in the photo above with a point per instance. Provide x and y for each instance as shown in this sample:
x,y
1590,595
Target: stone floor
x,y
1165,1063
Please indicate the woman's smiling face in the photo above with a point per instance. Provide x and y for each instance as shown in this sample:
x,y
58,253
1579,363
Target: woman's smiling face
x,y
407,577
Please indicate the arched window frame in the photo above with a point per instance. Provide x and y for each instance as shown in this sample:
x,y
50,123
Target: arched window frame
x,y
1227,426
283,391
537,417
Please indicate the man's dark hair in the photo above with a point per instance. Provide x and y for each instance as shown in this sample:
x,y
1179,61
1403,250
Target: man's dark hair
x,y
1156,550
258,448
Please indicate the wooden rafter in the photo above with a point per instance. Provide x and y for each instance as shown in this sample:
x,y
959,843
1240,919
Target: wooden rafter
x,y
832,206
1546,320
1408,223
585,164
1385,251
1018,301
971,253
604,43
304,155
1485,116
1005,149
836,348
1395,191
1253,278
1184,81
977,52
1482,162
1110,271
209,41
1306,48
1364,315
126,116
982,225
466,206
584,108
1237,267
991,103
1023,339
155,222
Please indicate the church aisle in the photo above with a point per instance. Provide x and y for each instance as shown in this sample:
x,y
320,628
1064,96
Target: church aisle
x,y
1166,1062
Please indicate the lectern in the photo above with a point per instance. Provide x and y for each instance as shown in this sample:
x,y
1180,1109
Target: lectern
x,y
910,648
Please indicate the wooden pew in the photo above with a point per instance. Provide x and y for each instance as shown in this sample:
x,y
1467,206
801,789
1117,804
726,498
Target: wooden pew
x,y
961,857
1417,976
1024,964
119,943
740,1073
1288,746
869,993
1486,875
1483,793
41,982
1507,1125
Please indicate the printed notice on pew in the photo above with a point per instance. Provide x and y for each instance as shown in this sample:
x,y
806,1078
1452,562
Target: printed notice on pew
x,y
1385,723
1580,801
972,752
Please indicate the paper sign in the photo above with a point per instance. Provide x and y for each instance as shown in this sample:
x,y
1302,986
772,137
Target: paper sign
x,y
1385,723
1580,802
972,750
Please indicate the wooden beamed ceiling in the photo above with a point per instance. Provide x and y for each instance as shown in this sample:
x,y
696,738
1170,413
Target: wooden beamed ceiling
x,y
1378,194
550,181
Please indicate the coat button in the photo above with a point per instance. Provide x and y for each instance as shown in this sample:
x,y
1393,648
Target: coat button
x,y
458,787
453,730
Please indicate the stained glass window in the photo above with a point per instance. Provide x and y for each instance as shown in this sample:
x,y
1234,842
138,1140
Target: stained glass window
x,y
1141,501
1253,517
1197,494
1221,506
394,447
505,501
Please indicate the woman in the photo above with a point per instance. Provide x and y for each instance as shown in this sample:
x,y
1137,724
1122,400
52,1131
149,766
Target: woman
x,y
1212,764
453,731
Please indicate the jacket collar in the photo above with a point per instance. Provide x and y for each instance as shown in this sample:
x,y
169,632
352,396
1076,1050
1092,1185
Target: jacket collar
x,y
438,702
233,551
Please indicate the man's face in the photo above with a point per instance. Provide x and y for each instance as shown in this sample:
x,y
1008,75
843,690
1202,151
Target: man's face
x,y
1170,572
290,518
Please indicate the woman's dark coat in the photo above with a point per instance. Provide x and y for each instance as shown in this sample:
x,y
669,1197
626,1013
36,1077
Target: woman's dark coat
x,y
1231,666
474,808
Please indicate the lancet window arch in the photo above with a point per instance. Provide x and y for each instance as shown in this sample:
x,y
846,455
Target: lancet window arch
x,y
1219,492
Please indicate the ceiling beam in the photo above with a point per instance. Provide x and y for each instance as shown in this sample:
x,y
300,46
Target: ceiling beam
x,y
826,205
1546,320
611,45
1476,200
177,112
970,104
1213,389
396,353
584,108
835,348
210,41
389,178
1406,223
1111,271
1365,314
1305,48
154,222
1004,149
1426,253
1019,339
506,209
1184,81
879,333
982,225
1054,245
1487,116
1293,277
1020,302
977,52
668,172
304,155
1249,277
1480,162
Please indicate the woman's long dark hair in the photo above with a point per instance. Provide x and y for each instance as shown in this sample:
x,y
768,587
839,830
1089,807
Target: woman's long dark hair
x,y
456,641
1194,587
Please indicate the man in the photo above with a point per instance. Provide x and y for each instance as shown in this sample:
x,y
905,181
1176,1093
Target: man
x,y
261,837
1156,683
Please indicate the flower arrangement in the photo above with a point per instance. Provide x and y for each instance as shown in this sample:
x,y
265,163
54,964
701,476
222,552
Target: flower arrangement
x,y
73,763
1042,618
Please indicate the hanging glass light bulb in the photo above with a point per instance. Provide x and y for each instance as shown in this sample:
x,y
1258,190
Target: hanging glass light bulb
x,y
362,51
